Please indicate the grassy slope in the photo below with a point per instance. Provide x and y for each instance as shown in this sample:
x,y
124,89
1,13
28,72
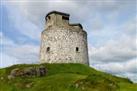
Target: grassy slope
x,y
66,77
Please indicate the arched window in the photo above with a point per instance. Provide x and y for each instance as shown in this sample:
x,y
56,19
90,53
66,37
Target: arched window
x,y
77,49
48,49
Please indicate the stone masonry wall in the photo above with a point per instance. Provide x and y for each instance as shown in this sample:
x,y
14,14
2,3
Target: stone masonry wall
x,y
64,45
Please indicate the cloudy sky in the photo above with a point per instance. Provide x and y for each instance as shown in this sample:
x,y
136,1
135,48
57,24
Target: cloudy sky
x,y
110,24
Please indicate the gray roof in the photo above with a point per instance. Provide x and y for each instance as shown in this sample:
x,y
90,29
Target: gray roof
x,y
57,12
77,24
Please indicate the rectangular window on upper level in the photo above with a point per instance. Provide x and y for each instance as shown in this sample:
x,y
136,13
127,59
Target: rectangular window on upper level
x,y
65,18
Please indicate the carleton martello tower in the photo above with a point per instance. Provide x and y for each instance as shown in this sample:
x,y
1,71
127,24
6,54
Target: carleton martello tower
x,y
62,42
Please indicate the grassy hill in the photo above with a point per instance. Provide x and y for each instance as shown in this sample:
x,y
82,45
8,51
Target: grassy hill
x,y
65,77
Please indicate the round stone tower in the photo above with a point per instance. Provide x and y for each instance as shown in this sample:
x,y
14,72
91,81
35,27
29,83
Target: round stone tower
x,y
62,42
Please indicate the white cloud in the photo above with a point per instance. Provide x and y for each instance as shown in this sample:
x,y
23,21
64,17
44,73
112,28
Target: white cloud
x,y
127,69
129,27
7,60
5,41
120,43
24,53
21,24
115,51
118,67
35,10
13,53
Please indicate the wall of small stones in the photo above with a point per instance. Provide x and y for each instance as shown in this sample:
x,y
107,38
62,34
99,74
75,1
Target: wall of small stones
x,y
62,43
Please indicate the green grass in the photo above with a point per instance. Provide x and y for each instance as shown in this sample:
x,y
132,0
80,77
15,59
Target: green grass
x,y
65,77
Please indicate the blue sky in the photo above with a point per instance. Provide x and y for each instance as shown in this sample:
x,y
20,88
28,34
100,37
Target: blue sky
x,y
110,24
